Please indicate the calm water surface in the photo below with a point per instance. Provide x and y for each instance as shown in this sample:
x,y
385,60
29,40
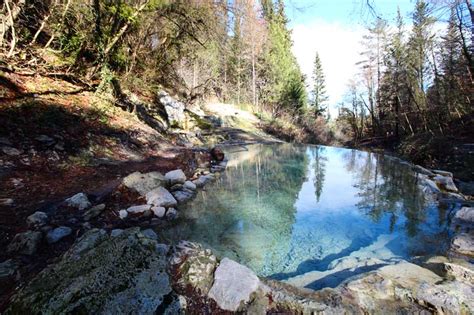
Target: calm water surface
x,y
287,210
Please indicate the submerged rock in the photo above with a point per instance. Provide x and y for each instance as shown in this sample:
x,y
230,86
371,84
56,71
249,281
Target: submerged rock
x,y
118,275
25,243
183,196
233,285
143,183
171,213
79,201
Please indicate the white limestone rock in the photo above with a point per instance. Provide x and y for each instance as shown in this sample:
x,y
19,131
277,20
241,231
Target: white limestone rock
x,y
138,209
175,177
161,197
143,183
79,201
233,285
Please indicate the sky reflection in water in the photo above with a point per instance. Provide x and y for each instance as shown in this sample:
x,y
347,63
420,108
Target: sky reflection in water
x,y
285,210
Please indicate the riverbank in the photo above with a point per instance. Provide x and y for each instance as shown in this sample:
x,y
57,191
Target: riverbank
x,y
120,268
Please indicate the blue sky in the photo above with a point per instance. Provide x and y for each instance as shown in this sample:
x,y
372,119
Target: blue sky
x,y
343,11
334,28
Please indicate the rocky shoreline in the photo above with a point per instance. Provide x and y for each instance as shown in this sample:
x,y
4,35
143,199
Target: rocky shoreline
x,y
113,262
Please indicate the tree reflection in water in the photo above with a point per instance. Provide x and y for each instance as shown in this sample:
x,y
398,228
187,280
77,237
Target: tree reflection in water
x,y
285,210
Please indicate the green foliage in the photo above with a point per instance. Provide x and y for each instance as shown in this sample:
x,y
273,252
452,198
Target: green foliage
x,y
319,88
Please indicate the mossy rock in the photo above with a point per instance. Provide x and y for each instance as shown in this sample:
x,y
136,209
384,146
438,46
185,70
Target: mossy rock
x,y
100,274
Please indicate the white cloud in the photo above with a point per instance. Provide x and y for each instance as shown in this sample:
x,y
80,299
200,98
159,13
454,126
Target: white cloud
x,y
338,47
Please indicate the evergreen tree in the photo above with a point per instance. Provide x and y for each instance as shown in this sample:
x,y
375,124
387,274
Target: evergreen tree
x,y
284,90
319,88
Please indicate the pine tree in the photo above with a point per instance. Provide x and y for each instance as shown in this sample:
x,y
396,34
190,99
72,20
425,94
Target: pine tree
x,y
319,88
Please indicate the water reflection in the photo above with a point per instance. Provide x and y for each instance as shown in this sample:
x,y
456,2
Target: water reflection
x,y
286,210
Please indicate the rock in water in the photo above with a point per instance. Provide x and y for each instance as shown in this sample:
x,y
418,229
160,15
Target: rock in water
x,y
183,196
143,183
161,197
217,154
79,201
124,274
25,243
189,185
57,234
175,177
233,285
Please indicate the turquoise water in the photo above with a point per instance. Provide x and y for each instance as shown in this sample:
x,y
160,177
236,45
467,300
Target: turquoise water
x,y
288,210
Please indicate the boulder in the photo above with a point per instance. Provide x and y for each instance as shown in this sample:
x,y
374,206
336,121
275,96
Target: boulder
x,y
409,287
57,234
463,243
138,209
173,108
161,197
25,243
446,183
233,285
175,177
143,183
79,201
37,219
94,212
217,154
464,217
125,274
194,267
158,211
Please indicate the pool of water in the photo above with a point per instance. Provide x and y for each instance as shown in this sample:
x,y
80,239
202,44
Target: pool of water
x,y
314,215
